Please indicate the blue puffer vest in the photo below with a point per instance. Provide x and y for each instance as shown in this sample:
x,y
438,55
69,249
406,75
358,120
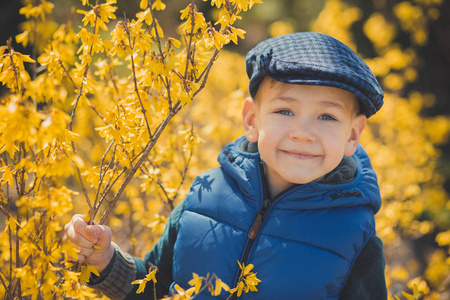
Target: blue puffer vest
x,y
308,240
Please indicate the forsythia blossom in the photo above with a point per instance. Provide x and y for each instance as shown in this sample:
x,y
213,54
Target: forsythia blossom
x,y
247,280
151,276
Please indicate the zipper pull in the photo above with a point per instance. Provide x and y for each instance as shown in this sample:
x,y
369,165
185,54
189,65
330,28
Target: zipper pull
x,y
253,232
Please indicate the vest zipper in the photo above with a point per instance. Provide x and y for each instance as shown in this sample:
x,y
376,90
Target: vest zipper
x,y
253,232
259,219
254,229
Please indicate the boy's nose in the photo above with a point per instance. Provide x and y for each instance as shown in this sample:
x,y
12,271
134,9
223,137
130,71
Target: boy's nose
x,y
303,131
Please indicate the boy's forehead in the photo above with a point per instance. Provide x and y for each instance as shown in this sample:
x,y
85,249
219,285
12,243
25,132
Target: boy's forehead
x,y
314,59
330,96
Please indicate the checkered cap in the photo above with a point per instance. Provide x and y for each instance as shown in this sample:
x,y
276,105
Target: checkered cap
x,y
313,58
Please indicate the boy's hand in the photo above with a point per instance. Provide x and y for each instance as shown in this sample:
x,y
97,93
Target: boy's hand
x,y
86,236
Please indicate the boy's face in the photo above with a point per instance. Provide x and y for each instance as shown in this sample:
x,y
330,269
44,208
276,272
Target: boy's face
x,y
302,131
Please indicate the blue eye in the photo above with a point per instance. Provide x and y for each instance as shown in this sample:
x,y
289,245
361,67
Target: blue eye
x,y
285,112
327,118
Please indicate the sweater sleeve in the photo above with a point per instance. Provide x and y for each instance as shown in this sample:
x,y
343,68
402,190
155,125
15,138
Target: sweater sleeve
x,y
115,280
366,279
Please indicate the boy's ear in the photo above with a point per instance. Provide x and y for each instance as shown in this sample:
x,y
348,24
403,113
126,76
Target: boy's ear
x,y
358,125
249,119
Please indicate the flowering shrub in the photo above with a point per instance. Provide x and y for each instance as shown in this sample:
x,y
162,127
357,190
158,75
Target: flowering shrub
x,y
85,118
81,130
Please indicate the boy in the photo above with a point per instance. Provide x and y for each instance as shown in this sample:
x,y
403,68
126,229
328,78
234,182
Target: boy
x,y
295,197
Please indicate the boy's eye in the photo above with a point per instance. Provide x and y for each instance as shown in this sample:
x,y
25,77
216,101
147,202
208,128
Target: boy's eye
x,y
327,118
285,112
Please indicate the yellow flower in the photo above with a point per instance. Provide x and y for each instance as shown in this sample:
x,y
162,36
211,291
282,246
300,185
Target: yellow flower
x,y
143,4
191,13
146,16
196,282
99,15
219,286
7,176
31,11
415,296
86,271
247,280
158,5
151,276
182,294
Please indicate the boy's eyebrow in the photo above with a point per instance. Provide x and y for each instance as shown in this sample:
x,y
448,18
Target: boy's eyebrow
x,y
327,103
283,98
332,104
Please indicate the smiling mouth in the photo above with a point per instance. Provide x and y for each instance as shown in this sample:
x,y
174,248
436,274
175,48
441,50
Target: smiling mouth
x,y
300,155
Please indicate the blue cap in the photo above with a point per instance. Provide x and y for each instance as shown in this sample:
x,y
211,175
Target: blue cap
x,y
313,58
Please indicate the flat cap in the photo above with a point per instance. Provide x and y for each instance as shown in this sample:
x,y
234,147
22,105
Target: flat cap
x,y
313,58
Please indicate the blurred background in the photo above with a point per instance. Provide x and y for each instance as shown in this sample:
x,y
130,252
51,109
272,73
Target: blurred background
x,y
407,45
278,16
428,18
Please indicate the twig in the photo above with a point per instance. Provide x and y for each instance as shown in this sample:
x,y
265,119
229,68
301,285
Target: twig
x,y
19,286
183,175
5,211
76,87
136,89
67,72
158,38
83,188
133,170
206,74
161,53
72,117
34,56
11,53
160,184
209,66
173,110
94,209
111,75
3,282
191,35
10,254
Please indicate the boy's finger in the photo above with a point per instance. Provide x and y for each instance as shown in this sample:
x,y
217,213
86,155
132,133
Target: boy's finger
x,y
93,230
78,239
79,227
86,252
81,258
101,232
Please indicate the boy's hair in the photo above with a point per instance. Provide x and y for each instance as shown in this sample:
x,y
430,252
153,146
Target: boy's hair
x,y
313,58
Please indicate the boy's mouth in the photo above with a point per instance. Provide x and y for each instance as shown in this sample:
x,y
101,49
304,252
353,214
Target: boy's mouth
x,y
300,155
